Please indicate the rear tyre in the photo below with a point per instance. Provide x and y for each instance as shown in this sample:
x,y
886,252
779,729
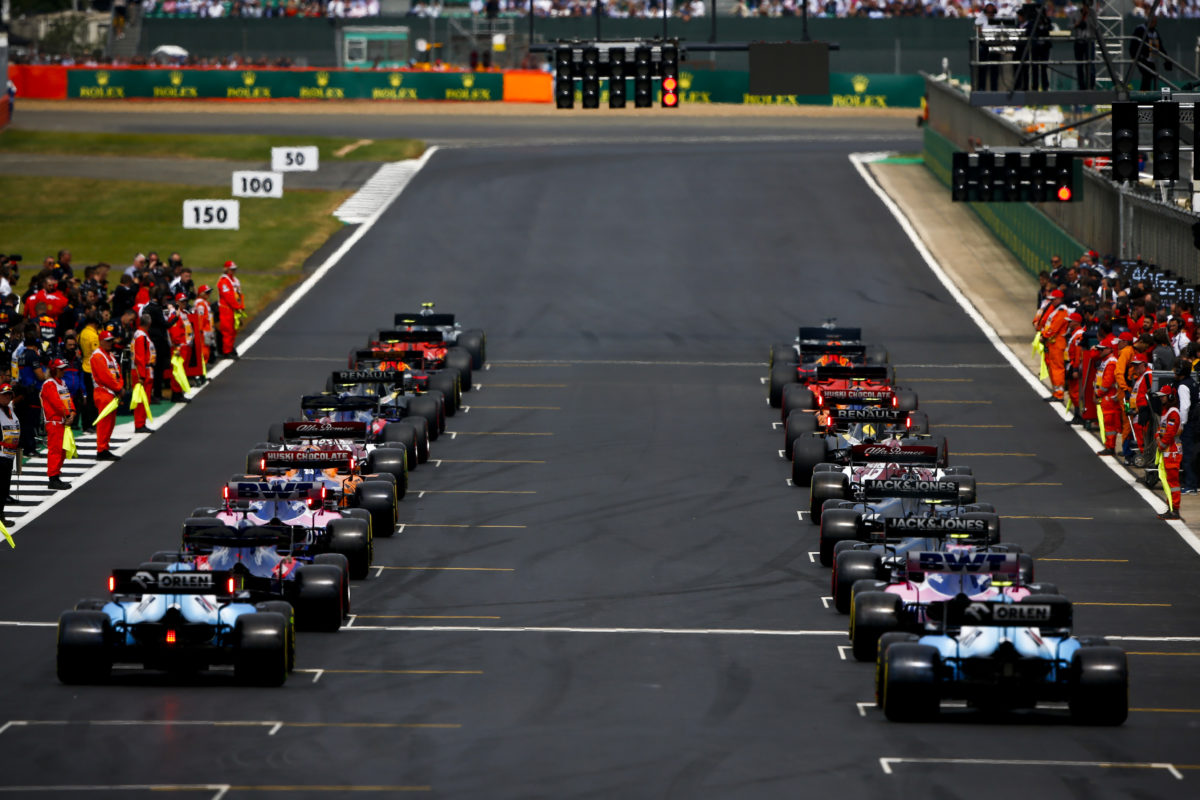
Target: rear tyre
x,y
261,650
82,654
783,374
403,433
474,341
797,397
426,407
797,424
918,422
837,525
825,486
909,682
876,355
807,452
1100,694
446,382
352,538
319,597
285,610
991,522
275,433
1025,568
379,499
391,461
906,400
460,361
849,567
872,615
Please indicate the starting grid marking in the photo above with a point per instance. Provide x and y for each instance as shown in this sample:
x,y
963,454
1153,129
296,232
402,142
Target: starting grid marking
x,y
273,726
219,790
887,763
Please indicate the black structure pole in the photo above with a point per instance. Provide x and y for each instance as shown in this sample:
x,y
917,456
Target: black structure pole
x,y
804,28
531,23
712,37
664,4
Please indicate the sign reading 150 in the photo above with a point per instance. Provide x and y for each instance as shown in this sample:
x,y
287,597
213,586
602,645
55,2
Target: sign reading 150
x,y
211,214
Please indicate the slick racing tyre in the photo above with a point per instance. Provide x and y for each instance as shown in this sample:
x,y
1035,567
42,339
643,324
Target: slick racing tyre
x,y
352,538
421,426
872,614
446,382
910,691
918,422
275,433
254,461
460,361
319,597
474,341
285,610
825,486
261,648
797,397
403,433
393,461
797,424
807,452
837,525
783,353
426,407
379,498
906,400
783,374
886,641
876,355
991,521
1100,686
849,567
83,647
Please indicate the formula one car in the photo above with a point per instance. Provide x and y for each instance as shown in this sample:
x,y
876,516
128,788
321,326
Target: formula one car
x,y
909,458
382,447
906,506
445,383
177,618
796,362
395,398
336,470
424,351
847,387
826,436
921,578
301,501
1001,654
271,562
473,340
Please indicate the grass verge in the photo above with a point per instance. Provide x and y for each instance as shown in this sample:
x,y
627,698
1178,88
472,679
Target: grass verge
x,y
231,147
111,221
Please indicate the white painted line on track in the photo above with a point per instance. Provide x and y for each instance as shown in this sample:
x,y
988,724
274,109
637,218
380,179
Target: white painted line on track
x,y
19,624
801,515
124,431
860,162
509,362
842,649
887,763
862,707
812,556
533,629
825,601
219,790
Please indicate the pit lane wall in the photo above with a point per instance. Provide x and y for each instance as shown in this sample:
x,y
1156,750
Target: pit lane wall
x,y
708,86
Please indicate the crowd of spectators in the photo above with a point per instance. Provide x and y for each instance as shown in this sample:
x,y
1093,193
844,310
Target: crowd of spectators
x,y
214,9
1110,344
63,311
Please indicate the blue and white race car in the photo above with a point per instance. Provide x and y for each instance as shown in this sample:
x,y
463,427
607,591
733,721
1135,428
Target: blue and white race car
x,y
177,618
998,655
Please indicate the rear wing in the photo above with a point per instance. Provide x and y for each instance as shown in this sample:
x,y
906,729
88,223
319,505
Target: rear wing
x,y
920,489
338,402
432,320
822,334
161,581
894,454
1003,615
852,416
272,490
349,377
420,337
298,431
307,459
365,358
852,373
980,562
850,351
205,538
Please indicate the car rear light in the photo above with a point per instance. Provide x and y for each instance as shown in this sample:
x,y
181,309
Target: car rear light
x,y
908,421
170,636
225,493
895,401
262,465
231,585
112,583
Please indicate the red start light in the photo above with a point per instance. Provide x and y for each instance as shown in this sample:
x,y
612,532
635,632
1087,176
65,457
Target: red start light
x,y
112,583
170,636
670,84
670,99
1064,193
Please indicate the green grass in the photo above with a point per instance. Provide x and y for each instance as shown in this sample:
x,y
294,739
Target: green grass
x,y
232,147
113,220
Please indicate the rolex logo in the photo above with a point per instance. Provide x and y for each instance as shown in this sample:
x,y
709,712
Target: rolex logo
x,y
176,77
248,78
102,78
322,79
468,81
395,79
685,80
860,83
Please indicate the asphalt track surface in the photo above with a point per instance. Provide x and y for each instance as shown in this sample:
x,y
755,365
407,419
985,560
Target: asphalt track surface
x,y
629,462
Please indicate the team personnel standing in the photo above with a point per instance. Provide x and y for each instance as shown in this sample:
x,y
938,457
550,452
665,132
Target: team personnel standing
x,y
1139,417
229,294
1106,394
1168,446
144,358
1054,338
10,445
59,412
106,375
202,329
1074,366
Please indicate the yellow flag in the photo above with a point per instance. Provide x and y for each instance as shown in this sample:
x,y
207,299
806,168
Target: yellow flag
x,y
111,408
69,448
238,318
1162,476
1100,420
1043,373
178,372
1036,347
7,536
1067,404
139,396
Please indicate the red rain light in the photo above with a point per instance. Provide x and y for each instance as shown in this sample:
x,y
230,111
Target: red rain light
x,y
112,583
1064,193
170,636
231,585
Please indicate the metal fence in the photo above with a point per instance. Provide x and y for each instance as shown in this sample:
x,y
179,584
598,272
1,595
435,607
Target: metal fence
x,y
1107,219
